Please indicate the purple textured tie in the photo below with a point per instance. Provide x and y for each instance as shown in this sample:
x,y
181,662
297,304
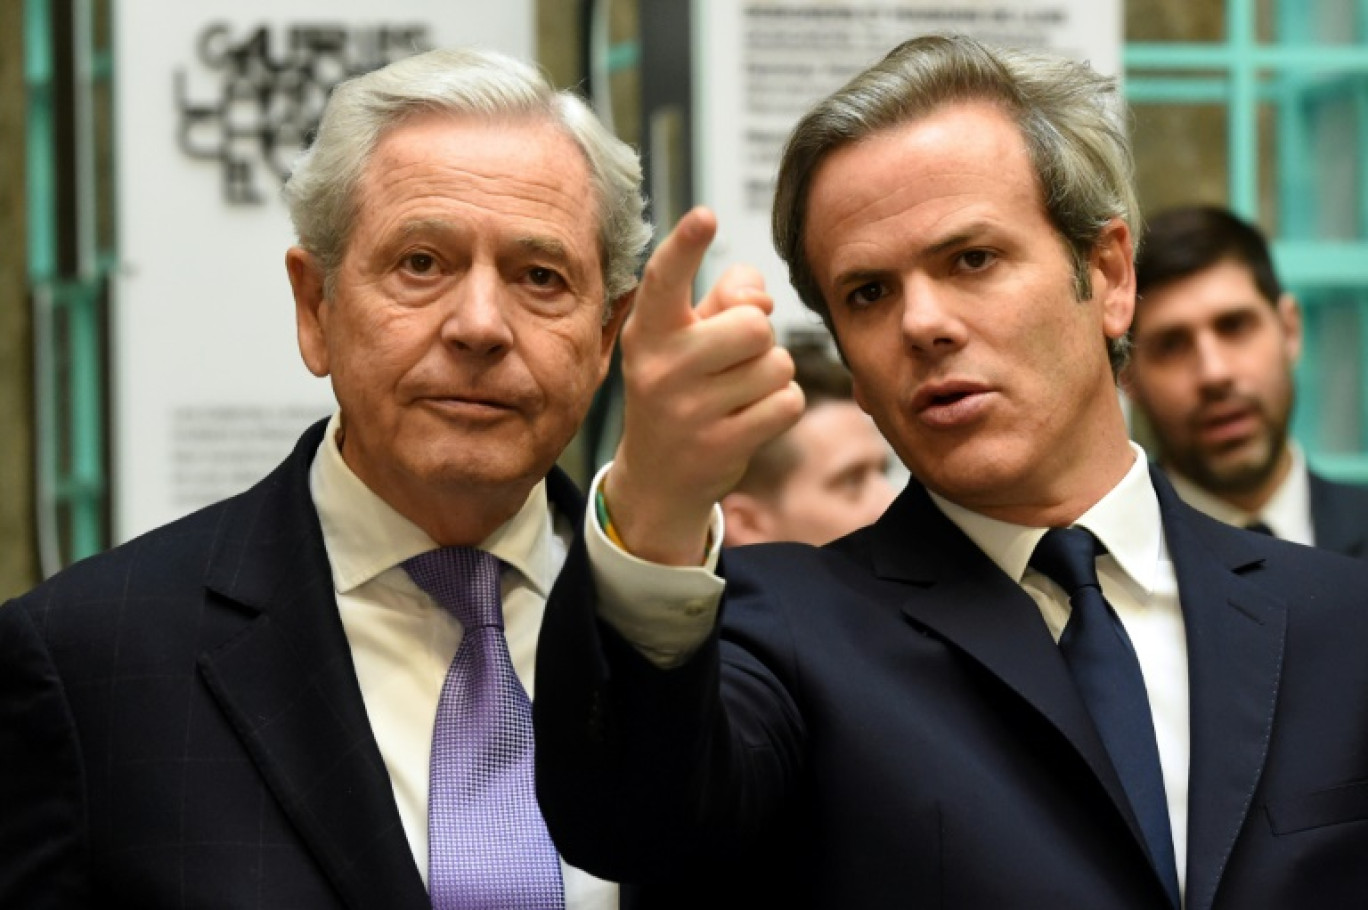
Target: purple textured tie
x,y
488,848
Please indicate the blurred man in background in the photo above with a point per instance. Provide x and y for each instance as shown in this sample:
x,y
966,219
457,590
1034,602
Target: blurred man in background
x,y
1216,342
822,479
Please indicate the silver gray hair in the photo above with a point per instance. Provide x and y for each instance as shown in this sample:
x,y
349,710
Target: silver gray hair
x,y
322,189
1073,121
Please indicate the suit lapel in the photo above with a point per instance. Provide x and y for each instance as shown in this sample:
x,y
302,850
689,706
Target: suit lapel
x,y
284,677
565,497
1235,639
958,593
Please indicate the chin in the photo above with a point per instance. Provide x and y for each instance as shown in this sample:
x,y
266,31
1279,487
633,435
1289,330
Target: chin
x,y
483,473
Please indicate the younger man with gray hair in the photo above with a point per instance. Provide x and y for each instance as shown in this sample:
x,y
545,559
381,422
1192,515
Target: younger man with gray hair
x,y
314,694
1039,680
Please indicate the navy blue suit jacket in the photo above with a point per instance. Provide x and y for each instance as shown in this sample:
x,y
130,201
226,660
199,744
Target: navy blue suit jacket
x,y
1339,516
887,722
181,724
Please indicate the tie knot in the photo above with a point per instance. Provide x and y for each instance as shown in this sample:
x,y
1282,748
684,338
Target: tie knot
x,y
1067,557
463,580
1259,527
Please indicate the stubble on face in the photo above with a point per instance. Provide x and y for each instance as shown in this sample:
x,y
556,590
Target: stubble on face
x,y
1238,468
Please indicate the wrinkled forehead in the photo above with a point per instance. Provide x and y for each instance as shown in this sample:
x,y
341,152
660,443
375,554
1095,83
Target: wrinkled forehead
x,y
518,165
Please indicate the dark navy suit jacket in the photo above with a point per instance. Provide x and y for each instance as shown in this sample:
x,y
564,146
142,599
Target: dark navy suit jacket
x,y
887,722
1339,516
181,724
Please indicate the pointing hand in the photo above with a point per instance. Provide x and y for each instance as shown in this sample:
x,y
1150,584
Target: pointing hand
x,y
705,388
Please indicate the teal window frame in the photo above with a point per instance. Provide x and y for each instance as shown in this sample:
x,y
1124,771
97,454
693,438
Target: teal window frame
x,y
68,292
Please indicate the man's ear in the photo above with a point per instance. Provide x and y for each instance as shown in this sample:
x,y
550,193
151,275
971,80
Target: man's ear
x,y
1113,277
311,315
746,519
1289,314
611,326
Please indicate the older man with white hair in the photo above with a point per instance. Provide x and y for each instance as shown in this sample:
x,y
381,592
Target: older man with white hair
x,y
316,694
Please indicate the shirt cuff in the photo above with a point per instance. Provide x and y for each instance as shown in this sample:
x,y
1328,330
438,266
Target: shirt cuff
x,y
665,612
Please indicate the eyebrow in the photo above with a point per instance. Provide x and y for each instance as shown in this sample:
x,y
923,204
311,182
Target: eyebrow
x,y
547,246
858,277
959,238
426,226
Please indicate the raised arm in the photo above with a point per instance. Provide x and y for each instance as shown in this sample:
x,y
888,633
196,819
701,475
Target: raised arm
x,y
629,708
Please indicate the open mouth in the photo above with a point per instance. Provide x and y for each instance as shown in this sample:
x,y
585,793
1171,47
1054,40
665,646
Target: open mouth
x,y
945,395
1230,428
950,404
946,398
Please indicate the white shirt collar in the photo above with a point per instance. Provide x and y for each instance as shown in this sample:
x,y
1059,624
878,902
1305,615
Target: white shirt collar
x,y
1287,512
365,536
1126,520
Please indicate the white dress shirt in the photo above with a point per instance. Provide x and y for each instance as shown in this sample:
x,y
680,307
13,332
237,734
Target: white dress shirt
x,y
402,642
1139,582
667,613
1287,513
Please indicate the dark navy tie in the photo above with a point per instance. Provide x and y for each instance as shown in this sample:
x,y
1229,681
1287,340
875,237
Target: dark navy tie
x,y
1105,668
1259,527
488,847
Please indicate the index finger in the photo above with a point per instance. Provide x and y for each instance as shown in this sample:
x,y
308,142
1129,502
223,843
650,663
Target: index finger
x,y
664,300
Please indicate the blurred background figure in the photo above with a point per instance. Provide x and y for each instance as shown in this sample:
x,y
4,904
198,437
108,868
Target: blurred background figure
x,y
820,480
1216,343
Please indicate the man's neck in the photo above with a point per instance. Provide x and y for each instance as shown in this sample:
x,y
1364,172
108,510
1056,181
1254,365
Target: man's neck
x,y
1069,494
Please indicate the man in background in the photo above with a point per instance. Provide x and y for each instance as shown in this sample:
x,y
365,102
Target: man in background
x,y
823,478
315,694
1216,341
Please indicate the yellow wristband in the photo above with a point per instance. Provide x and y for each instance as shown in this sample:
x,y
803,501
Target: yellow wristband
x,y
606,521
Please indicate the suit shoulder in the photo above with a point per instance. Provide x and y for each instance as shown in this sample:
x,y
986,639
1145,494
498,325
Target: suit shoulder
x,y
173,558
1339,487
192,533
159,569
780,567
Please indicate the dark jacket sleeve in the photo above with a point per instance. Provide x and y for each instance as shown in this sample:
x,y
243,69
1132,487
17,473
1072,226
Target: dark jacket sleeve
x,y
42,792
646,774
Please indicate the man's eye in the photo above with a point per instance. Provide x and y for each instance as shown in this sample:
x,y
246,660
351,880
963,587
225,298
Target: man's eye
x,y
1235,325
420,263
866,294
975,260
543,277
1166,347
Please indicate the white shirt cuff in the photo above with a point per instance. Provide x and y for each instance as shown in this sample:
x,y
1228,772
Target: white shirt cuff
x,y
665,612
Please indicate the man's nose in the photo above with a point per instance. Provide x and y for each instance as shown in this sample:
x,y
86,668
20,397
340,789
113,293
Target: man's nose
x,y
476,317
931,324
1213,362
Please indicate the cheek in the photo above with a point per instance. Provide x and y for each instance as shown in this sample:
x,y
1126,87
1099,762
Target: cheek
x,y
566,364
1174,389
377,349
